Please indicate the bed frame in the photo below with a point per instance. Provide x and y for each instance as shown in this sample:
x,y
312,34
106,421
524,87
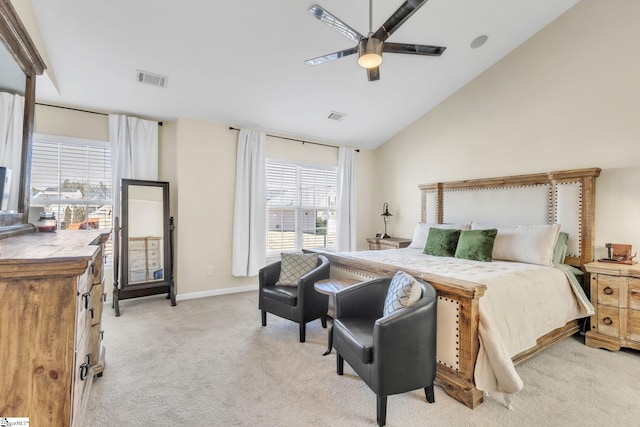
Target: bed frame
x,y
565,197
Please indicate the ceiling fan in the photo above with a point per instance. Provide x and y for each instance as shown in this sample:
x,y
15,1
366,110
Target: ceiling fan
x,y
370,48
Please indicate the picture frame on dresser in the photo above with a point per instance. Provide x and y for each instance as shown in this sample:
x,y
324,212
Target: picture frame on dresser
x,y
145,238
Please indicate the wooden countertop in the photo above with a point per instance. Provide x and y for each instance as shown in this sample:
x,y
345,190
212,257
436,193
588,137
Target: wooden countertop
x,y
41,254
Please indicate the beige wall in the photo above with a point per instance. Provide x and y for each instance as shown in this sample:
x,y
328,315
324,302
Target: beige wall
x,y
206,165
567,98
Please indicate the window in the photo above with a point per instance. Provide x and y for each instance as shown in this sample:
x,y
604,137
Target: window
x,y
71,177
301,207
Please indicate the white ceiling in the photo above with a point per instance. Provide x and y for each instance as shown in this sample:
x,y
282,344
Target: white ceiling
x,y
241,62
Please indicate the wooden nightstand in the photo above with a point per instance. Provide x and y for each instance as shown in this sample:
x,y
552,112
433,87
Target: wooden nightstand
x,y
378,243
615,295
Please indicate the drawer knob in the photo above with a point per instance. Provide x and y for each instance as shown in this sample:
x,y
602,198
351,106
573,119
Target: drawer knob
x,y
607,321
607,290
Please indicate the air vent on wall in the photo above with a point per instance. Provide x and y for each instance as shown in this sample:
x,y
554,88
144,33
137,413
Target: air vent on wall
x,y
151,78
334,115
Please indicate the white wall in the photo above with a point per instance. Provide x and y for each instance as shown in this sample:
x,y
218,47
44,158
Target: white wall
x,y
565,99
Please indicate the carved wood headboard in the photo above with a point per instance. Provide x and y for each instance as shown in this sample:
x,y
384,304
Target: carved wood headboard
x,y
562,197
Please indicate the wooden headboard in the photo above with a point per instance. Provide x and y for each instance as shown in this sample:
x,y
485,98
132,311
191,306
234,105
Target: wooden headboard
x,y
562,197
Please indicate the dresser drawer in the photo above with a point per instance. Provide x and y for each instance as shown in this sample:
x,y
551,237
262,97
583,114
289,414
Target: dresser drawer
x,y
608,290
153,243
83,305
95,340
97,302
97,270
138,243
608,320
138,276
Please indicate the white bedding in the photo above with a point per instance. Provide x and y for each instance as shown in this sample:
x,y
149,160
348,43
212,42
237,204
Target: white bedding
x,y
522,302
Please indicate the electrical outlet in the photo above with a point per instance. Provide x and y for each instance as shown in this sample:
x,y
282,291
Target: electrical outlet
x,y
210,270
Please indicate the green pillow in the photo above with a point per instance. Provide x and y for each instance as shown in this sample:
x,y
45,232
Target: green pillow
x,y
476,245
442,242
560,249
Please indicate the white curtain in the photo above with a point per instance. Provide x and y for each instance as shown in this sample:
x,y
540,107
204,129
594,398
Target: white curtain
x,y
346,238
11,119
250,216
134,152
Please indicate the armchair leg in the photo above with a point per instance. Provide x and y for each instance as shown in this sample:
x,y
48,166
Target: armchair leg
x,y
264,317
382,410
339,364
428,391
323,320
302,331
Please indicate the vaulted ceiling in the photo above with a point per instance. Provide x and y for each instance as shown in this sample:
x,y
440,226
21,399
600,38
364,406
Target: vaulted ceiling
x,y
241,62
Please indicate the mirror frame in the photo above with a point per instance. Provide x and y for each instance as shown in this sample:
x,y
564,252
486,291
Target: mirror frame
x,y
17,41
133,290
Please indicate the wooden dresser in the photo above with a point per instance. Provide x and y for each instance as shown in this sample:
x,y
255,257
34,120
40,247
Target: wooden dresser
x,y
51,293
144,259
378,243
615,295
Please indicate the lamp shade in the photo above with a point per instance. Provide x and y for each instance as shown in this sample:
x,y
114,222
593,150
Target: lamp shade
x,y
370,53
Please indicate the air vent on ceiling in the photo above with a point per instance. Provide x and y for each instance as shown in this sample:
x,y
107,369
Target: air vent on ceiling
x,y
151,78
334,115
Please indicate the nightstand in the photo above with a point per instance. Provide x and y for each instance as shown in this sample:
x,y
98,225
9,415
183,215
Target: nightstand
x,y
378,243
615,295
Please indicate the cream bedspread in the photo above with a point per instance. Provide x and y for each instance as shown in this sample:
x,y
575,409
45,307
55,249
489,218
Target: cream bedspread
x,y
522,302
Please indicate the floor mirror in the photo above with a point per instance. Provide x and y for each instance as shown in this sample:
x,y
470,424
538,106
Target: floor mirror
x,y
144,240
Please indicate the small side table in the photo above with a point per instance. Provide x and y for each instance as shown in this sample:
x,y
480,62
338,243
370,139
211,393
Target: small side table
x,y
330,287
379,243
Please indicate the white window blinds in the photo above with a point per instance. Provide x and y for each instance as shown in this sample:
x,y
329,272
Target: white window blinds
x,y
301,207
72,178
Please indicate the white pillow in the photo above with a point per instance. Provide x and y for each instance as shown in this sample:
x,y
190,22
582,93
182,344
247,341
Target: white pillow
x,y
531,244
421,232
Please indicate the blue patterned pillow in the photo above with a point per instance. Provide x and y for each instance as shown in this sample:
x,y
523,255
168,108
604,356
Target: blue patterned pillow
x,y
403,292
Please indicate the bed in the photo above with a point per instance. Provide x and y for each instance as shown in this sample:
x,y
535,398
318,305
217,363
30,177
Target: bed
x,y
494,315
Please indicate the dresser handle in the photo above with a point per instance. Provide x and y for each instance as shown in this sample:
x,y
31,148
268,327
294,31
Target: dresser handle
x,y
91,310
86,298
104,297
101,335
84,368
607,290
93,268
607,321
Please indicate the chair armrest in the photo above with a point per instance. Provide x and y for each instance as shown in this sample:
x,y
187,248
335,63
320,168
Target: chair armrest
x,y
364,300
269,275
306,282
397,338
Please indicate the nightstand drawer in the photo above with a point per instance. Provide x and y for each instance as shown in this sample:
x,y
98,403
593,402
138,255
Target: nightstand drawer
x,y
608,320
634,293
608,290
633,325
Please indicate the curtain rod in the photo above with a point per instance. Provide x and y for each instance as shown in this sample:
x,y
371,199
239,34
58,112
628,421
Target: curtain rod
x,y
298,140
78,109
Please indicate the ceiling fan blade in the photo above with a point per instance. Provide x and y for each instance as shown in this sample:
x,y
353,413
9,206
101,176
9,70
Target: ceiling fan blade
x,y
373,74
414,49
398,18
335,23
331,56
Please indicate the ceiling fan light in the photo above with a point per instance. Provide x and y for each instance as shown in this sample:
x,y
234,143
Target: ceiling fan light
x,y
370,53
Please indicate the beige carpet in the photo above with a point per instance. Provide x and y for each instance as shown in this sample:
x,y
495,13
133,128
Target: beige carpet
x,y
208,362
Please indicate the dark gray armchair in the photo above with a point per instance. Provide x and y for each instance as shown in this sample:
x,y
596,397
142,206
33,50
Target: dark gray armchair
x,y
300,303
392,354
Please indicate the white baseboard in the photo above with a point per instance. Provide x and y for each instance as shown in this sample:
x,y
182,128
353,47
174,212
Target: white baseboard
x,y
216,292
202,294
